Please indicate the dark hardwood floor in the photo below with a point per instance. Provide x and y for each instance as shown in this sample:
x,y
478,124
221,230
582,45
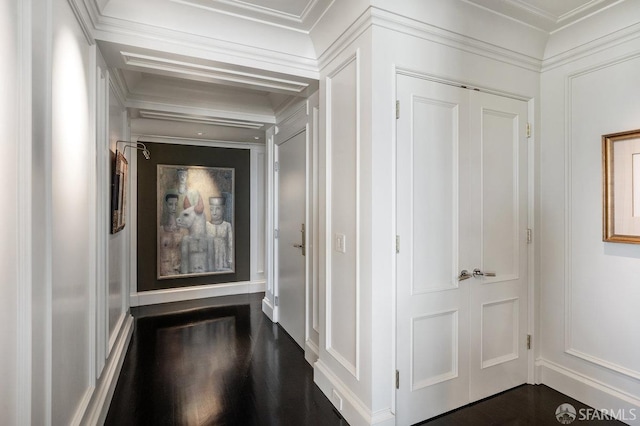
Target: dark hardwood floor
x,y
532,405
215,362
222,362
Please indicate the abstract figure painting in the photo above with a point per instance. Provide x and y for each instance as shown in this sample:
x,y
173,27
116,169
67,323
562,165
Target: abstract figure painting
x,y
195,221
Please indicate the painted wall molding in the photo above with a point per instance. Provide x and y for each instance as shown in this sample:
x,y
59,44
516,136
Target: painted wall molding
x,y
375,17
96,410
346,402
84,20
195,292
24,220
568,278
586,389
591,48
99,26
352,366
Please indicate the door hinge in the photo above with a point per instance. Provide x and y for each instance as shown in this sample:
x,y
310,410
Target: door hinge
x,y
397,379
397,109
276,233
528,341
397,244
529,235
276,166
528,130
276,300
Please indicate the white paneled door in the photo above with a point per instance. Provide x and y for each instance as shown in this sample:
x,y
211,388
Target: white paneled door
x,y
291,235
462,259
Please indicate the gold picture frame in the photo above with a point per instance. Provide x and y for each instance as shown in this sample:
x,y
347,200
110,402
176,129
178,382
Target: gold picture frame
x,y
621,187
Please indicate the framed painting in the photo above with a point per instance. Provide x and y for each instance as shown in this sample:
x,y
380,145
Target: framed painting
x,y
621,187
118,192
195,221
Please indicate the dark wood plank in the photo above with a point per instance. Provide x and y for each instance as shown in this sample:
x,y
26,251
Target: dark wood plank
x,y
215,362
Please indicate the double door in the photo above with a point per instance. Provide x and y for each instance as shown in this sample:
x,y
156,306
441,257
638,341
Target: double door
x,y
462,264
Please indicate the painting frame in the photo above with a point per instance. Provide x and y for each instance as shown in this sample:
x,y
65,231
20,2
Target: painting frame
x,y
119,192
195,221
621,187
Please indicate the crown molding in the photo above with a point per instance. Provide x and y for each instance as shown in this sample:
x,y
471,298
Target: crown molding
x,y
200,119
103,27
118,83
214,74
144,103
83,16
595,46
394,22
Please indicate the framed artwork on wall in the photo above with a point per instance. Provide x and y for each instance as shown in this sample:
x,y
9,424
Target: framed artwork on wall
x,y
118,192
621,187
195,221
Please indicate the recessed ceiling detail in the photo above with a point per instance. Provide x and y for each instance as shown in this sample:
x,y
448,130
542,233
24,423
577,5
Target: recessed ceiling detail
x,y
187,118
298,15
212,74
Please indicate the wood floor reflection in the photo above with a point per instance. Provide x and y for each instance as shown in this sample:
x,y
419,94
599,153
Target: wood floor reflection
x,y
215,362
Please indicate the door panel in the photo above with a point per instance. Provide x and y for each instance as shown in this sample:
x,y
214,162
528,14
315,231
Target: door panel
x,y
291,216
461,204
499,182
432,328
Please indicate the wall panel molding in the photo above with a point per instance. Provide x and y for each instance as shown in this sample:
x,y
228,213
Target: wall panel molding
x,y
584,388
569,347
179,294
351,365
24,220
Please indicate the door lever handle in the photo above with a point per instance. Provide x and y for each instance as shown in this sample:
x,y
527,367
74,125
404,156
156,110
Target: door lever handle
x,y
478,273
464,275
301,246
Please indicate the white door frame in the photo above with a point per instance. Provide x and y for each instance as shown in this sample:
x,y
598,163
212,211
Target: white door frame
x,y
532,320
302,116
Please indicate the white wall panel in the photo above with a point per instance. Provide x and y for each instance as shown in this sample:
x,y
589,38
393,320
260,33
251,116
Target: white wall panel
x,y
343,233
9,218
602,276
72,194
586,284
119,253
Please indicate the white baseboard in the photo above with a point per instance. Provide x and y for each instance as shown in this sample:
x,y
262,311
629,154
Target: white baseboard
x,y
98,406
348,405
269,310
180,294
311,352
589,391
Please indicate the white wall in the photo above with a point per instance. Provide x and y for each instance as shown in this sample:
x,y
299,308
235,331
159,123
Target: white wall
x,y
72,196
357,96
119,253
10,216
589,293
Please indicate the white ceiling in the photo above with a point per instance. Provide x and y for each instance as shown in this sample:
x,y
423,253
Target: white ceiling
x,y
183,95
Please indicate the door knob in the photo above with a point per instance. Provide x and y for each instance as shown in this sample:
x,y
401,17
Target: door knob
x,y
478,273
464,275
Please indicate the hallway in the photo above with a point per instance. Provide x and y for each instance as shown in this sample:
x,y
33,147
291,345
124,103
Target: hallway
x,y
215,362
